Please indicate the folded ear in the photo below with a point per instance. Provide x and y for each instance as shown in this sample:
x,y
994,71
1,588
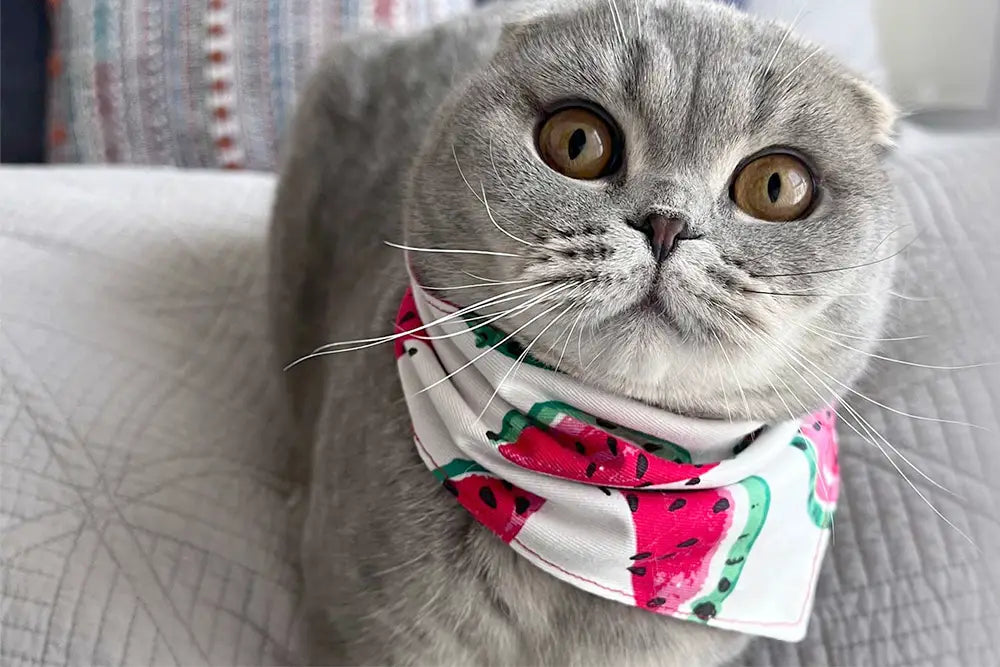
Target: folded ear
x,y
880,111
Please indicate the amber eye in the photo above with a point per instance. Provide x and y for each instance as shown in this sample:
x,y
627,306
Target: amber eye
x,y
578,143
777,187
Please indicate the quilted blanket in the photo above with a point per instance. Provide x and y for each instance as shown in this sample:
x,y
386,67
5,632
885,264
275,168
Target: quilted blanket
x,y
143,515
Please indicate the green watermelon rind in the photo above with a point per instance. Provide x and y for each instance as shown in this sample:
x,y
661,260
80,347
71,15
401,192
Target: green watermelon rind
x,y
491,337
542,415
759,496
819,513
458,468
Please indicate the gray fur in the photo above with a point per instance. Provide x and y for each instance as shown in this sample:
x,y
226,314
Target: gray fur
x,y
396,572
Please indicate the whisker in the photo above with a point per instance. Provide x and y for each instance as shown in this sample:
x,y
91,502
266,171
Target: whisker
x,y
890,235
616,17
492,317
895,410
496,171
891,359
842,268
570,337
520,359
796,68
497,224
472,285
888,458
462,174
739,386
489,280
371,342
775,389
507,338
788,33
798,359
451,251
873,340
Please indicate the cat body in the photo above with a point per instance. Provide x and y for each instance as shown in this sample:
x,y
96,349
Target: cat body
x,y
403,139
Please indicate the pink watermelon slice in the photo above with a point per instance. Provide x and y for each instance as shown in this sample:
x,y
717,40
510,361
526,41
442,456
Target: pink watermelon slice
x,y
671,567
817,440
559,440
495,503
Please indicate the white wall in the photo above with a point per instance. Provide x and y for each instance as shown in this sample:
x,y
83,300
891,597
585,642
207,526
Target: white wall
x,y
940,54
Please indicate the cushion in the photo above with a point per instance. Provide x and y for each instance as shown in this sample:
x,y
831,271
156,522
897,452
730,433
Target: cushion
x,y
209,83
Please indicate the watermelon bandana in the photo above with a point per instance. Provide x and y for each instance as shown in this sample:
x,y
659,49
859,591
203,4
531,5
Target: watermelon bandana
x,y
710,521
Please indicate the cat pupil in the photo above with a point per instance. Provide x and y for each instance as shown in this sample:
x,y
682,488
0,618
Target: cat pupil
x,y
774,188
576,143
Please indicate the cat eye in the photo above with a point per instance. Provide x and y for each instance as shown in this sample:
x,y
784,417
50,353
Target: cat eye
x,y
579,142
775,187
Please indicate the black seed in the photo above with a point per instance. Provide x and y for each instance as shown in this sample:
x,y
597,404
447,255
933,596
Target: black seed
x,y
693,481
677,504
633,501
606,490
643,485
818,426
705,611
656,602
412,351
580,448
637,570
642,555
724,585
578,140
604,423
829,414
613,446
721,505
734,561
409,315
450,487
490,435
798,444
773,185
650,447
641,466
591,469
688,543
521,504
699,465
486,495
507,485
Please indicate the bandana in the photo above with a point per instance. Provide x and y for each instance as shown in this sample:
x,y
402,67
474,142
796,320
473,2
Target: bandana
x,y
710,521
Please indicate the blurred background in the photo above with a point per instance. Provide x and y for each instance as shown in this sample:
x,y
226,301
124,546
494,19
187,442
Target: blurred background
x,y
212,83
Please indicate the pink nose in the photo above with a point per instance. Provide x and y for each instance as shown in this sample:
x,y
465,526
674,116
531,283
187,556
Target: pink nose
x,y
662,233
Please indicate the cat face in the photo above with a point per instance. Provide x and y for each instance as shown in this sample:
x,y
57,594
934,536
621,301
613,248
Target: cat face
x,y
693,193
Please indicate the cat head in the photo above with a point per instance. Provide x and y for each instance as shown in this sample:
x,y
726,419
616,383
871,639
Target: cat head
x,y
693,198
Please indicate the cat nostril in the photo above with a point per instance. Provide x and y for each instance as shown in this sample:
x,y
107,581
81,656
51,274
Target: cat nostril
x,y
662,233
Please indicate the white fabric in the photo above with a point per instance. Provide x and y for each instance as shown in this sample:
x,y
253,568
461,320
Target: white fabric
x,y
591,502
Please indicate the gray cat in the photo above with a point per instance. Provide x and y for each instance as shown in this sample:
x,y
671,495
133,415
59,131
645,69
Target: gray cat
x,y
716,182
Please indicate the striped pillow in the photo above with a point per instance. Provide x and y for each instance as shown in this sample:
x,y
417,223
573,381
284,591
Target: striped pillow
x,y
196,83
